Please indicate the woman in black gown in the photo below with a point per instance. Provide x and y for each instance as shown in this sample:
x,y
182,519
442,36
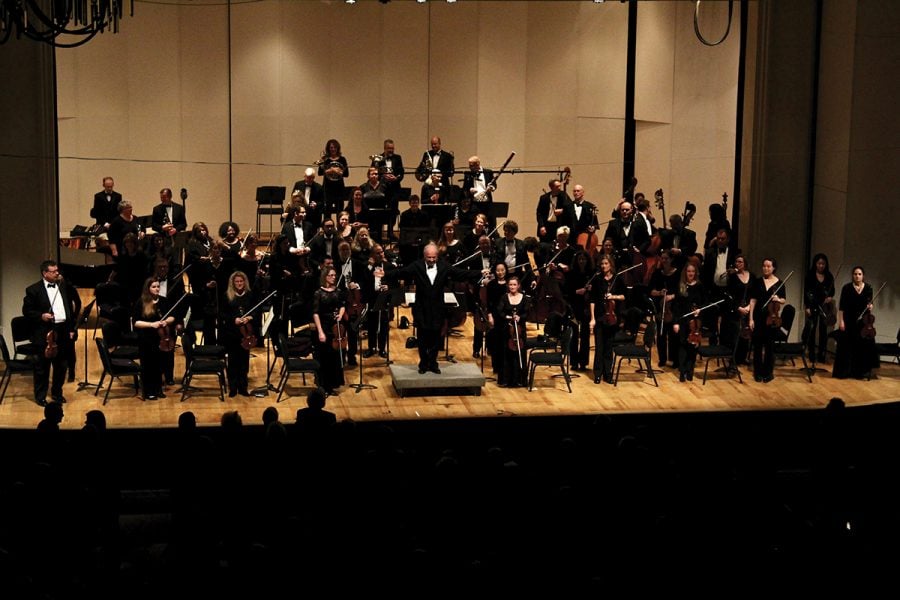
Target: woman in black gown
x,y
691,296
328,310
763,293
149,323
856,355
818,303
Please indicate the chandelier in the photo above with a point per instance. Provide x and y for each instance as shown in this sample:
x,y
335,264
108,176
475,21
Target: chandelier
x,y
46,20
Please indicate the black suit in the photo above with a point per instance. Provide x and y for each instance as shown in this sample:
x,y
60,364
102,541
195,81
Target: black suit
x,y
579,224
469,183
316,195
445,165
160,217
321,247
104,211
36,303
685,240
543,213
429,311
309,231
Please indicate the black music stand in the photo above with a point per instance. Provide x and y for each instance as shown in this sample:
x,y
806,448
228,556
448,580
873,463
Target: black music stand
x,y
384,302
412,240
269,201
82,322
447,356
440,214
357,325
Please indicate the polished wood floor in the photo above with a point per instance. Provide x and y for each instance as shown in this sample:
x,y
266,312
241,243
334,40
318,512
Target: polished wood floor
x,y
634,393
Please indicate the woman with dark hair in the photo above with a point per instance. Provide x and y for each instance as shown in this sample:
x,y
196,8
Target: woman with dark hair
x,y
856,355
357,210
818,304
160,249
740,281
717,220
607,299
510,330
152,329
763,293
229,243
689,298
576,290
328,311
333,169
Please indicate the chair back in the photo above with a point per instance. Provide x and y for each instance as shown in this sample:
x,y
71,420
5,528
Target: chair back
x,y
21,329
553,326
650,334
565,340
103,351
4,350
112,334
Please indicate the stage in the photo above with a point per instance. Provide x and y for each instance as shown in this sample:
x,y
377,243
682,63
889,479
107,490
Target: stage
x,y
634,393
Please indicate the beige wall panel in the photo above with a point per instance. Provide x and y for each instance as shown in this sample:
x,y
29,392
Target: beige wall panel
x,y
552,59
653,166
828,233
655,62
602,36
600,139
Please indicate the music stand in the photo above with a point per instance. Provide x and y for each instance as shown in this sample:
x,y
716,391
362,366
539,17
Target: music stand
x,y
356,325
385,301
412,239
269,201
267,318
450,299
82,322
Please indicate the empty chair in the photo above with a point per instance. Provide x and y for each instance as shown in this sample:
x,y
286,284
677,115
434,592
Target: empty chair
x,y
785,350
294,364
119,345
115,367
642,353
11,367
889,348
21,336
553,358
722,353
207,363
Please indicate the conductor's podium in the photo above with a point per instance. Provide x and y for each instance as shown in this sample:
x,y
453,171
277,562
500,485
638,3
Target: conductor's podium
x,y
455,379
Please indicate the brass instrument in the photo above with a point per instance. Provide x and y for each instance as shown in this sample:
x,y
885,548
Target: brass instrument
x,y
376,157
321,160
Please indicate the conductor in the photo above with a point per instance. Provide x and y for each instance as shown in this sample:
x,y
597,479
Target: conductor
x,y
430,276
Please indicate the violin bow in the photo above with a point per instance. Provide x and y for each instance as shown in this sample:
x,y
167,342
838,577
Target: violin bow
x,y
244,240
875,295
466,259
702,308
261,302
778,289
169,312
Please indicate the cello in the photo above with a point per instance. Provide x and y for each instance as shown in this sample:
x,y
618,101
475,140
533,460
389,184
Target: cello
x,y
588,239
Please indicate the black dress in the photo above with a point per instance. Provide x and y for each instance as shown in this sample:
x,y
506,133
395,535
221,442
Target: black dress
x,y
856,355
764,335
515,359
694,297
605,333
238,356
148,347
331,372
815,331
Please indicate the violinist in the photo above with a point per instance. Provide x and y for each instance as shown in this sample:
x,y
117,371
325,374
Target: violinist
x,y
299,233
765,306
378,322
479,300
622,231
50,312
229,244
740,281
328,314
510,327
818,304
494,285
334,169
153,332
607,297
856,355
172,291
158,248
237,328
690,297
345,230
664,284
450,248
473,235
251,261
577,290
511,250
352,278
361,246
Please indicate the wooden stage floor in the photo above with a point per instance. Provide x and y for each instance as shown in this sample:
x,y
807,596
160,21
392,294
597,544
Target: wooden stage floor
x,y
634,393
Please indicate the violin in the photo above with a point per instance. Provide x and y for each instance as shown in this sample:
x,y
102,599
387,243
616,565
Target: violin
x,y
166,339
51,349
248,336
867,319
694,331
773,318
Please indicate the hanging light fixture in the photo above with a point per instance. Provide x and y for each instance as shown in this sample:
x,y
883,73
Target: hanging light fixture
x,y
78,20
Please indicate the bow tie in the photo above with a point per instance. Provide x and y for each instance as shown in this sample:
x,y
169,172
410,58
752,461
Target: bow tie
x,y
51,285
723,250
510,242
430,267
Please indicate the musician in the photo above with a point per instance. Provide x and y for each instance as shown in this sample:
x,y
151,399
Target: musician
x,y
718,259
378,322
689,299
818,303
664,284
479,185
576,290
130,268
229,244
328,311
740,281
680,241
205,276
579,214
361,247
284,270
309,193
495,287
511,250
477,298
437,191
152,329
122,225
324,245
159,248
450,248
390,171
106,204
374,196
357,210
172,291
764,292
353,273
717,221
48,308
509,324
607,298
855,355
465,214
345,231
252,263
551,209
628,234
430,276
334,169
473,235
436,159
168,217
299,233
236,317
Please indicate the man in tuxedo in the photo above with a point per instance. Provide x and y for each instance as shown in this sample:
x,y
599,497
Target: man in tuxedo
x,y
298,231
168,217
309,193
47,307
323,246
106,204
479,183
430,276
436,159
680,241
579,214
551,209
390,171
512,251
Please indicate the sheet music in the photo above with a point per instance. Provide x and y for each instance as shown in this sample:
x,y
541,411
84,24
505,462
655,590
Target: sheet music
x,y
449,298
267,320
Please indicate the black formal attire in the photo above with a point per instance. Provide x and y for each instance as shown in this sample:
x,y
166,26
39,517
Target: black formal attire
x,y
358,216
716,285
106,207
130,272
410,220
238,356
580,349
713,228
546,217
734,334
444,165
322,247
309,231
331,372
429,311
668,342
764,335
623,234
605,333
161,217
694,297
579,219
512,372
855,355
376,199
815,330
39,299
485,177
513,253
148,347
391,165
378,323
119,228
313,196
442,191
334,189
173,291
684,239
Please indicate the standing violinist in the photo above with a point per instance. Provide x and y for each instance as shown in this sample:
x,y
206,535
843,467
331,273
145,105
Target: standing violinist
x,y
607,297
172,291
551,209
328,314
577,291
664,284
740,281
818,304
237,332
856,355
49,311
510,326
691,297
494,287
252,262
478,301
353,275
378,322
155,335
765,304
718,260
